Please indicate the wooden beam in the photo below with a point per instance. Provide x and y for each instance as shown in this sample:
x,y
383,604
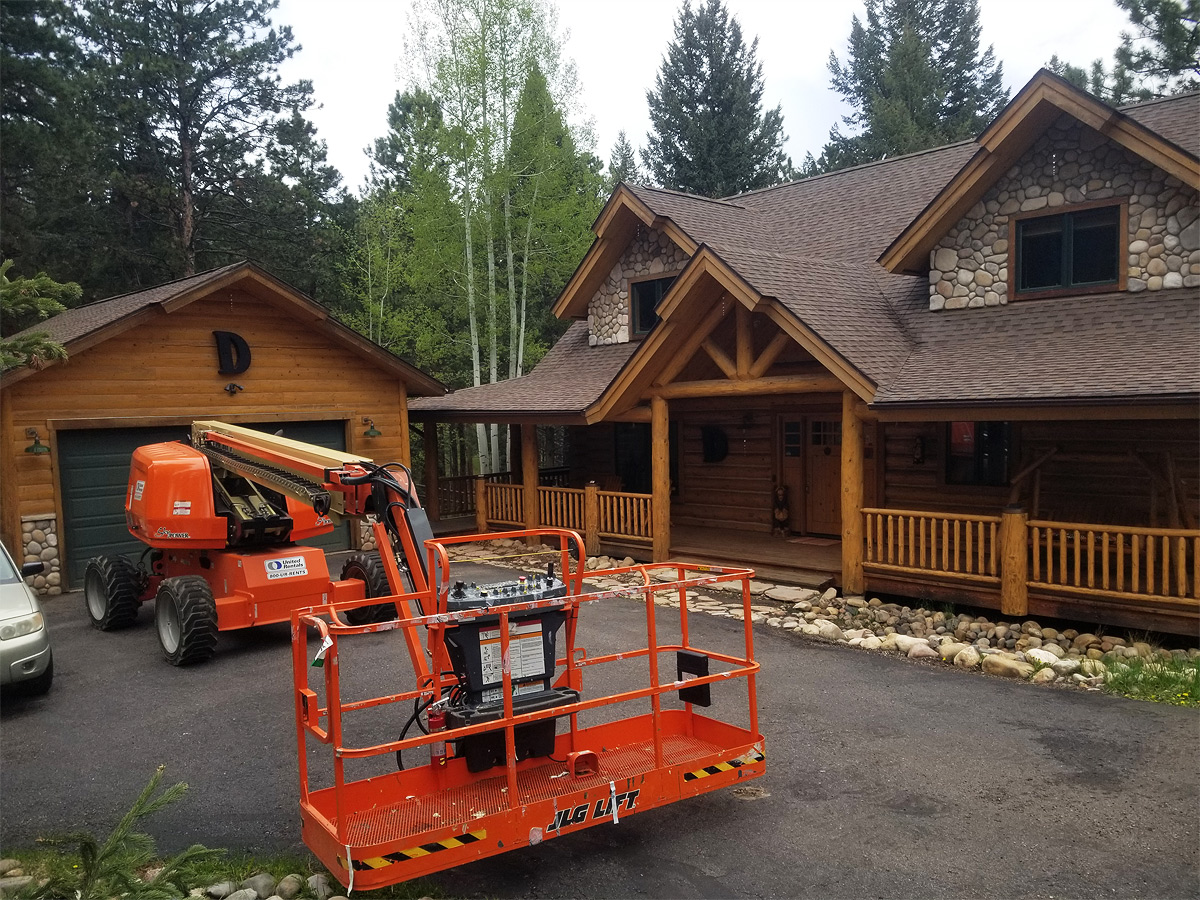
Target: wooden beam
x,y
821,352
431,501
745,343
682,356
660,479
781,384
852,496
634,414
767,358
529,478
724,363
1129,409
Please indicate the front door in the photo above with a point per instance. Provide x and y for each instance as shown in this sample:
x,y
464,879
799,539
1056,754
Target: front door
x,y
810,467
823,503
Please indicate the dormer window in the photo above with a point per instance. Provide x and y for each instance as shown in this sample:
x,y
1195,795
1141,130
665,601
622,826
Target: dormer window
x,y
644,297
1069,252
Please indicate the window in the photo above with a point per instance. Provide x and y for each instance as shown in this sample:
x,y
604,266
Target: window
x,y
1069,250
978,452
644,297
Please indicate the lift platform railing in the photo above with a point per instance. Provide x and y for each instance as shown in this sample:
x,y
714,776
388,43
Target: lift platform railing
x,y
389,828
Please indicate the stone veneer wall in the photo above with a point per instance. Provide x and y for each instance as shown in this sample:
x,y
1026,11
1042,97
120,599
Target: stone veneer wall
x,y
39,534
1071,163
650,253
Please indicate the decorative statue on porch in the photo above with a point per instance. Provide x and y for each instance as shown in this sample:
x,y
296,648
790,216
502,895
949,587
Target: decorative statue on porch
x,y
779,514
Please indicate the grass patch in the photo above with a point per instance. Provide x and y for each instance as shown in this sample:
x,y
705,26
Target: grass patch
x,y
1172,681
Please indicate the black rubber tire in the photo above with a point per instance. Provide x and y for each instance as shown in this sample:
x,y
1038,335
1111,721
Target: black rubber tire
x,y
187,601
368,568
111,589
37,687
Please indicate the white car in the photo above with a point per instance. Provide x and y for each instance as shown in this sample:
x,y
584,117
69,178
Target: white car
x,y
25,656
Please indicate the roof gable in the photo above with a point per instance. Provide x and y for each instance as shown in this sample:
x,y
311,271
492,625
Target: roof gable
x,y
1014,131
86,326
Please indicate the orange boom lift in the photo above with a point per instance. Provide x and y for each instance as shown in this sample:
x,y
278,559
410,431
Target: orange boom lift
x,y
514,749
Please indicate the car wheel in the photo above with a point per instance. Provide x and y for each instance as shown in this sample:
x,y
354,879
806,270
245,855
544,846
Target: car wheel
x,y
368,568
111,586
185,616
41,685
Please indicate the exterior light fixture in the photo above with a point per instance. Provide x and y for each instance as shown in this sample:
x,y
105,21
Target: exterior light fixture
x,y
372,431
37,448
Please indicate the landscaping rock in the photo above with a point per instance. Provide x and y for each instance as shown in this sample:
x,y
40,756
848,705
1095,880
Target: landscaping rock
x,y
829,596
828,630
786,594
7,865
950,649
871,643
968,659
1065,667
10,884
922,651
221,890
1006,667
244,894
262,884
319,885
1043,676
905,642
1043,656
1089,668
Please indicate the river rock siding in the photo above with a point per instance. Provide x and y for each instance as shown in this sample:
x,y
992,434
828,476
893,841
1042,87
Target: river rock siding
x,y
1068,166
163,371
650,254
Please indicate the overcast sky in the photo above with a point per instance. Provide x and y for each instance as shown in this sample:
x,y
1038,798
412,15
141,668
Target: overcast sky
x,y
352,52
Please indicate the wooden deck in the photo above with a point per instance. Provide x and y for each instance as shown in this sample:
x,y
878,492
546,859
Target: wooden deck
x,y
808,562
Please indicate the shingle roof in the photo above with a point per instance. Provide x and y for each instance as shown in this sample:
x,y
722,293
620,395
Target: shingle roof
x,y
83,320
1079,348
813,245
568,379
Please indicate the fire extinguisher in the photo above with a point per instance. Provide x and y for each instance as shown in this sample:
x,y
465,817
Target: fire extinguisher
x,y
437,750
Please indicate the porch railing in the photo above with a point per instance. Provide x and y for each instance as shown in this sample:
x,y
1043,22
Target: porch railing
x,y
1158,567
1147,563
616,516
906,540
456,493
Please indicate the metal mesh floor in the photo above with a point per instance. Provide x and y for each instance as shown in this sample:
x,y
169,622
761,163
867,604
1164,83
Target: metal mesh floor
x,y
465,804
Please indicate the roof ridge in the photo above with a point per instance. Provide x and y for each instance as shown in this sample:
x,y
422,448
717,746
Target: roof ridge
x,y
163,284
718,200
878,162
1154,101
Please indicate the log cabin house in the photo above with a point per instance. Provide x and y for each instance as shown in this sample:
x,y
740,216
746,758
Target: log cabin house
x,y
967,374
232,343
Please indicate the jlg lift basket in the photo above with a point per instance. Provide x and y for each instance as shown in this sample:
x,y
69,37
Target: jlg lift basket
x,y
389,828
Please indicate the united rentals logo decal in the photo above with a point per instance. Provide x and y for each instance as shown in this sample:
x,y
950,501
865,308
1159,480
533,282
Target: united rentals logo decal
x,y
286,567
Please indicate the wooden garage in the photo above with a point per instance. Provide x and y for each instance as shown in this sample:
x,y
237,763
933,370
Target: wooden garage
x,y
233,343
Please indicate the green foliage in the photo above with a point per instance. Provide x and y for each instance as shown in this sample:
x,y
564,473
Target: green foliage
x,y
916,79
113,868
1173,681
622,164
23,303
709,134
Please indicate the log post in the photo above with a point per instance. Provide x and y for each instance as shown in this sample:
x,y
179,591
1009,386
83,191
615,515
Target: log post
x,y
660,479
481,510
852,496
1014,562
591,518
431,501
529,479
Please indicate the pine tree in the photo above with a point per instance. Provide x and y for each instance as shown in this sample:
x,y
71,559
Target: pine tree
x,y
24,302
1163,53
709,134
916,79
622,163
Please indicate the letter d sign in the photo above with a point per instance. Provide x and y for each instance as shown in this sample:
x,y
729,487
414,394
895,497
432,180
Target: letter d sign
x,y
233,353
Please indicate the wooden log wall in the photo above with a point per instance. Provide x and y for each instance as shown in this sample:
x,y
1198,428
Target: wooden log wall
x,y
1116,472
738,490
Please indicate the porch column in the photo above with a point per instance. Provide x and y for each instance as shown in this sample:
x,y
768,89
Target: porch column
x,y
430,444
1014,562
852,496
660,478
405,436
529,478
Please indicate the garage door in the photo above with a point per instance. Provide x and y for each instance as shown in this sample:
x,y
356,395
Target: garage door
x,y
93,467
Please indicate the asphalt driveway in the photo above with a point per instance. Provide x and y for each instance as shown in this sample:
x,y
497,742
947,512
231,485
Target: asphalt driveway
x,y
886,778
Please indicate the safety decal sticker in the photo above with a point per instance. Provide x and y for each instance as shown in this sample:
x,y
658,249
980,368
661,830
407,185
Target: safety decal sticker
x,y
139,489
751,757
378,862
286,567
182,508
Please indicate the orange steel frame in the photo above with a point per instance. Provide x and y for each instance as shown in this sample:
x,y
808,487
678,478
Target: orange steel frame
x,y
390,828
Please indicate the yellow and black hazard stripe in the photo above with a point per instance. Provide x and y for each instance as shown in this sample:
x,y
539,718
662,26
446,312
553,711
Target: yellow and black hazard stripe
x,y
751,757
378,862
